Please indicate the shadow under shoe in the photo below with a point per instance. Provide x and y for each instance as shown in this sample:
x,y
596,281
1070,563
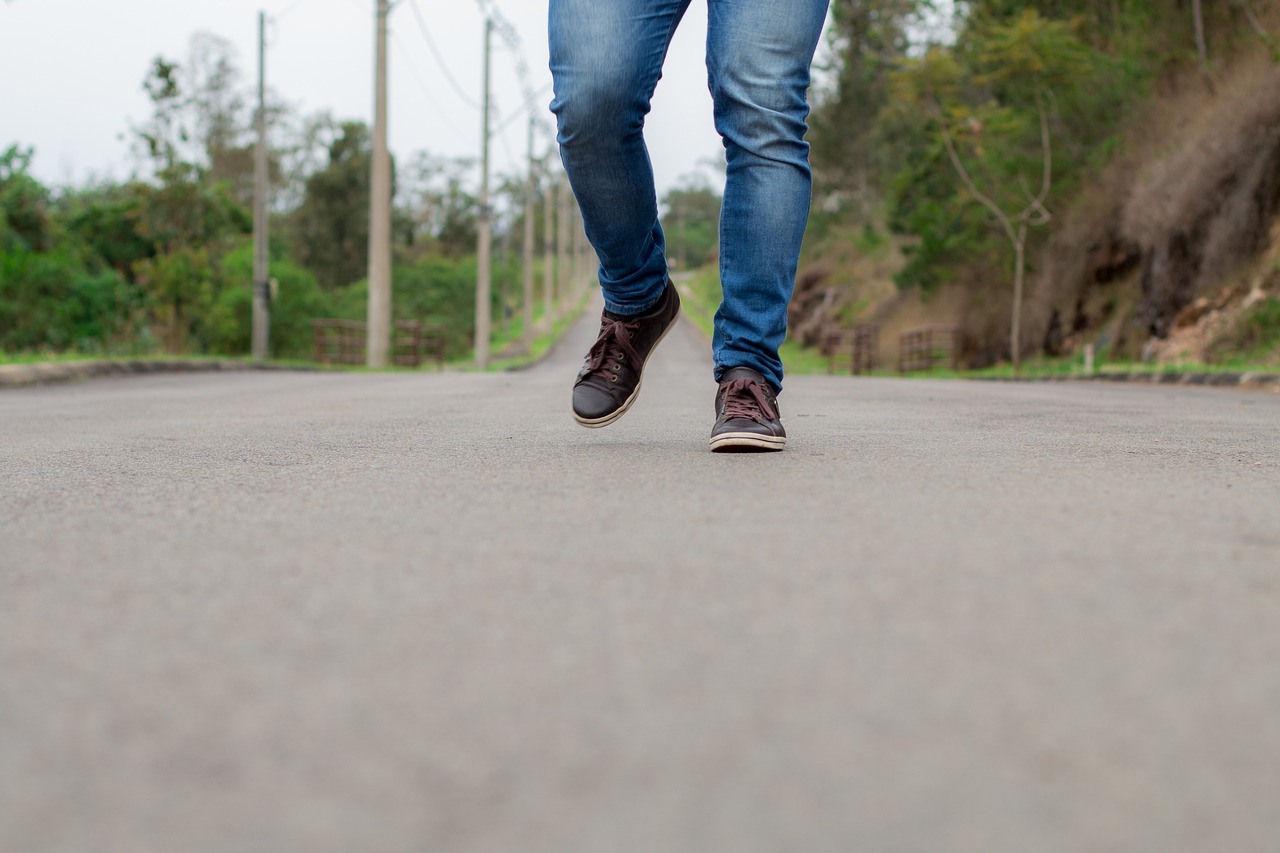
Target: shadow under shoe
x,y
609,381
747,415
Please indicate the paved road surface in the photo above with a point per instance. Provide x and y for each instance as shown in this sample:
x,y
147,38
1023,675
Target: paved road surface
x,y
314,612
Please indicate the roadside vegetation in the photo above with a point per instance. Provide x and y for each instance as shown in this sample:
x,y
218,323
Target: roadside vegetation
x,y
1047,176
1050,176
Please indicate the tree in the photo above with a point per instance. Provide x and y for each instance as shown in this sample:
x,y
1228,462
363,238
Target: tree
x,y
24,203
330,228
869,38
993,120
188,219
692,221
53,292
440,210
220,118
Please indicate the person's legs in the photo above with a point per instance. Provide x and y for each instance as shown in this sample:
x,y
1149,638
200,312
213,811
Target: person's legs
x,y
606,59
758,57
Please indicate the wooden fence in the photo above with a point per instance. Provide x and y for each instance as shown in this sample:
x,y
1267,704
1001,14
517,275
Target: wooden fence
x,y
853,350
343,342
927,347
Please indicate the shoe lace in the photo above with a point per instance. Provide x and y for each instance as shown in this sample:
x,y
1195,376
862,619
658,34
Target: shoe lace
x,y
612,347
744,398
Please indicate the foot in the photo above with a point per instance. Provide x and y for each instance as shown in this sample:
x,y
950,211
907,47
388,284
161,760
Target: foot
x,y
609,381
747,416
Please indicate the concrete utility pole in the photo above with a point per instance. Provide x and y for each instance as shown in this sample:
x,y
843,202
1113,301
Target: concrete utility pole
x,y
562,242
530,189
483,275
261,275
575,265
548,256
378,332
590,263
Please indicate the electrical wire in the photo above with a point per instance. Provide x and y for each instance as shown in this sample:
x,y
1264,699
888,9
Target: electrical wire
x,y
442,114
519,112
444,66
280,16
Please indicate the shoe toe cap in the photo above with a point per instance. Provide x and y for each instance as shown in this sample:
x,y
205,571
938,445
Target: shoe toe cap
x,y
590,402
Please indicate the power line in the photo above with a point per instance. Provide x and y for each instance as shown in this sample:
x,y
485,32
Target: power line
x,y
280,16
525,105
441,113
444,66
511,36
506,145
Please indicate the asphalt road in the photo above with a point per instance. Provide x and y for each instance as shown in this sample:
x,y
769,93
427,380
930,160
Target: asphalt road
x,y
325,612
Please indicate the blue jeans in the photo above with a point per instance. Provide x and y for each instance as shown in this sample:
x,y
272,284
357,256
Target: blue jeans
x,y
606,59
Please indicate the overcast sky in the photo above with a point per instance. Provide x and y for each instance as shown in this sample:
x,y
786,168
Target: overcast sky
x,y
71,76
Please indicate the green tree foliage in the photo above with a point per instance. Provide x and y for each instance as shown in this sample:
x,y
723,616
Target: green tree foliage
x,y
910,120
993,118
25,223
438,213
330,230
200,117
50,301
52,293
188,219
869,38
107,220
1000,97
298,300
692,222
441,290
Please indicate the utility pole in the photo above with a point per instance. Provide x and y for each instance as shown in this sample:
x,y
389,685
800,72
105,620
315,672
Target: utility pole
x,y
261,274
680,241
378,330
548,255
562,242
483,275
580,245
590,262
530,189
576,247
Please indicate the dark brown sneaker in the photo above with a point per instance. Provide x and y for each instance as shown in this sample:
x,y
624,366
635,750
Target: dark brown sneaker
x,y
747,416
609,381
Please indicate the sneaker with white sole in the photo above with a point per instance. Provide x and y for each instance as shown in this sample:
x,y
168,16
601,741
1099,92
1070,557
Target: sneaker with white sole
x,y
609,381
747,415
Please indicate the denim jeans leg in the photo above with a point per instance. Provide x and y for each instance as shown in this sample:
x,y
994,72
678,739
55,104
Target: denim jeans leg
x,y
606,60
759,54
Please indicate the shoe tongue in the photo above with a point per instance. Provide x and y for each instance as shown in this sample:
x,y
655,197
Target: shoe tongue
x,y
741,373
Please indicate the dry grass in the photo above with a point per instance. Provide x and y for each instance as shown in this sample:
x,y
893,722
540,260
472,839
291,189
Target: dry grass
x,y
1186,205
1203,209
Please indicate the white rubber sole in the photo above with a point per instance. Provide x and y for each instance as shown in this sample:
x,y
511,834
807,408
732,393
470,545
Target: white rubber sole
x,y
747,441
596,423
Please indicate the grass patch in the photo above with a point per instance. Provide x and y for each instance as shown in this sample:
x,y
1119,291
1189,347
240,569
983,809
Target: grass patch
x,y
541,343
702,295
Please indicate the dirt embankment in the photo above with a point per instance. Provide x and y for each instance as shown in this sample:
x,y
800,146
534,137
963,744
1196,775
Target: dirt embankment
x,y
1179,227
1159,258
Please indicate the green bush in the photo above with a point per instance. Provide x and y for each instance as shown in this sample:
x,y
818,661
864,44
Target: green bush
x,y
48,300
442,292
298,301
